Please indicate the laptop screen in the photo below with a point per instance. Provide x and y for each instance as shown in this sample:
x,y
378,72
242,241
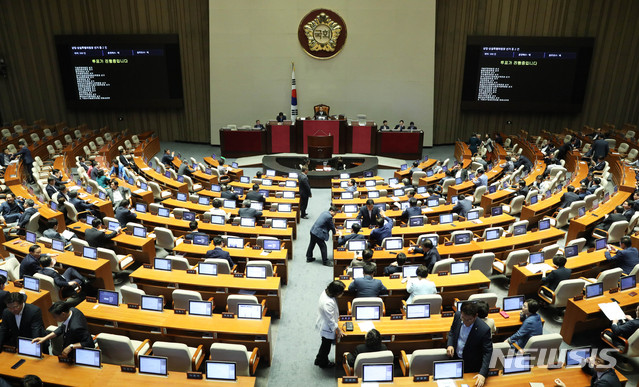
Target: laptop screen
x,y
89,252
577,356
53,205
458,180
272,244
377,373
403,167
398,192
285,194
270,172
250,311
601,243
421,189
394,244
218,219
200,308
139,232
258,272
368,173
356,245
516,364
581,211
247,222
373,194
164,212
534,199
162,264
492,235
496,211
201,240
417,311
57,244
207,268
536,258
153,365
290,183
215,187
89,221
347,195
203,200
429,173
244,179
416,221
88,357
108,297
433,202
393,180
113,225
459,267
284,207
220,370
152,303
594,290
30,237
544,224
140,207
472,215
188,216
519,229
278,223
492,189
513,303
571,251
358,272
409,271
257,206
235,242
350,208
367,312
448,369
229,204
31,283
26,348
267,182
461,239
628,282
102,195
445,218
181,196
144,186
180,179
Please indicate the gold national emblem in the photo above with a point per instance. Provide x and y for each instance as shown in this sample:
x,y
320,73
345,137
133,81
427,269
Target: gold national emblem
x,y
322,33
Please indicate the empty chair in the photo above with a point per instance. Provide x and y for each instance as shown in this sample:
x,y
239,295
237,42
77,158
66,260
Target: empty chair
x,y
270,270
490,298
46,283
609,278
77,134
611,143
164,238
590,199
629,348
566,290
158,194
179,263
416,176
121,350
514,258
482,262
575,206
245,361
614,234
6,133
623,148
379,357
461,232
192,187
365,301
632,155
581,242
442,265
99,141
108,137
180,357
434,300
131,295
135,139
233,300
68,139
447,182
550,251
12,267
78,245
35,137
182,297
561,219
420,362
515,205
222,265
479,192
499,230
127,145
536,344
502,348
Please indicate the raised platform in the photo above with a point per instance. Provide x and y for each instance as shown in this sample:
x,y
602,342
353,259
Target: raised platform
x,y
320,179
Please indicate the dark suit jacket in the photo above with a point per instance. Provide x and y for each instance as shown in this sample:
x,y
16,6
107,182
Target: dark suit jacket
x,y
523,160
185,170
98,238
365,218
219,253
24,219
478,348
189,236
563,150
124,216
29,266
249,212
323,225
26,155
255,196
167,159
77,331
600,148
3,294
304,185
462,207
473,144
610,220
281,118
51,190
430,257
341,241
625,329
608,378
80,205
367,286
567,199
552,280
228,195
363,348
627,258
409,212
63,284
31,325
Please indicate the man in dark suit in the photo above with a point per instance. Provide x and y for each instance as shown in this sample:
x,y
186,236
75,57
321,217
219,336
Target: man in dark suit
x,y
258,125
254,194
74,328
412,210
569,197
82,205
384,125
27,159
247,212
11,208
412,126
523,189
193,226
226,192
611,218
563,151
384,229
70,282
469,339
305,191
431,255
600,149
400,126
217,251
117,194
597,166
523,160
628,209
51,188
184,169
626,328
354,235
396,266
3,293
601,371
31,262
473,143
319,235
167,158
280,117
367,286
368,213
552,280
124,214
96,237
23,221
19,319
627,258
463,205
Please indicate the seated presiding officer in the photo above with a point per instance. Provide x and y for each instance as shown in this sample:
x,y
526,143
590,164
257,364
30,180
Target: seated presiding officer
x,y
217,251
469,339
354,235
74,328
19,319
531,326
373,343
367,286
368,213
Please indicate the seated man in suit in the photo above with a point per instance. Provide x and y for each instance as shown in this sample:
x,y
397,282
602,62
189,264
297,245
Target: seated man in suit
x,y
396,266
31,262
247,212
280,117
321,114
400,126
11,208
367,286
117,194
601,371
523,160
611,218
352,186
258,125
373,343
52,232
366,258
25,217
470,339
70,282
82,206
626,258
218,210
627,328
226,192
532,325
184,169
431,255
481,180
167,158
217,251
412,210
124,214
96,237
50,187
74,328
628,209
552,279
193,226
354,235
368,213
384,229
255,195
463,205
411,126
384,125
569,197
20,319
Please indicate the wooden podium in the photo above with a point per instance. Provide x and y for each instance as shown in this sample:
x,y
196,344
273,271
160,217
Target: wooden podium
x,y
320,147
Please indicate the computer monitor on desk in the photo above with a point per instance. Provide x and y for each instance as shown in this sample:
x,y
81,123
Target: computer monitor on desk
x,y
256,272
377,373
577,357
108,297
153,365
513,303
229,204
235,242
284,207
472,215
358,272
249,311
594,290
373,194
496,211
201,240
448,369
200,308
544,224
27,348
207,268
445,218
363,312
272,244
57,244
348,223
164,212
220,370
462,239
270,173
288,195
393,244
152,303
356,245
493,234
188,216
517,364
278,223
31,283
581,212
519,229
535,258
601,243
30,237
416,221
627,282
461,267
571,251
433,202
347,195
247,222
417,311
140,207
409,271
218,219
350,208
88,357
162,264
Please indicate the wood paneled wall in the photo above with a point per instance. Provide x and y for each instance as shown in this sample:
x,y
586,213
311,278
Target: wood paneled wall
x,y
613,85
33,87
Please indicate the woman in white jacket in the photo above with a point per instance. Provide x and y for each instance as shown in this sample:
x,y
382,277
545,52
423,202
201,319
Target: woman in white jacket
x,y
328,322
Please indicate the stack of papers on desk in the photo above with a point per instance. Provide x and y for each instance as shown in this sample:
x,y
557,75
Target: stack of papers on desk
x,y
446,383
539,267
67,234
477,221
139,191
365,326
510,190
146,169
396,185
613,311
395,198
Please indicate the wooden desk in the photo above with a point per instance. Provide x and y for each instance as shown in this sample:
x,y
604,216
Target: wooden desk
x,y
406,172
52,372
195,254
182,328
570,376
586,315
101,268
585,224
41,299
142,249
159,282
167,182
459,286
137,194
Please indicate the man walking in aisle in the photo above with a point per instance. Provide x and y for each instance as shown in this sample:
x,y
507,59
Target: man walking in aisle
x,y
305,191
319,235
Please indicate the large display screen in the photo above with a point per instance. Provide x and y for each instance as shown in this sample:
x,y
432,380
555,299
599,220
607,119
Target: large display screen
x,y
528,74
120,71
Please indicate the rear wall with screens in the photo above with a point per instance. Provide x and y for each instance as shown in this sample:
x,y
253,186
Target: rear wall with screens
x,y
530,74
120,71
